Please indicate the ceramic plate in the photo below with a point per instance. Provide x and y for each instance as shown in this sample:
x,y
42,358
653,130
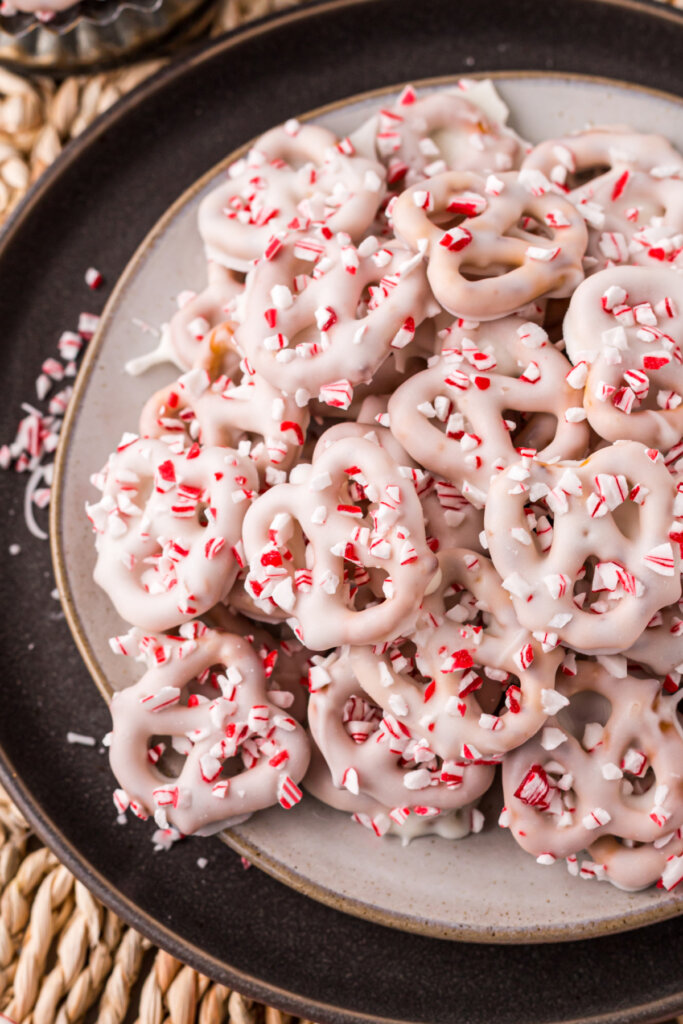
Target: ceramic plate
x,y
95,207
315,849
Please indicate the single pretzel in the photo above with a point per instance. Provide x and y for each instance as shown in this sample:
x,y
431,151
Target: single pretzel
x,y
623,330
364,753
227,412
321,312
598,154
240,752
418,137
491,263
197,316
580,779
558,535
456,649
292,174
300,535
456,417
165,528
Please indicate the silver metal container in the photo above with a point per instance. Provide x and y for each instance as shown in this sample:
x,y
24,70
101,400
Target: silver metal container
x,y
98,33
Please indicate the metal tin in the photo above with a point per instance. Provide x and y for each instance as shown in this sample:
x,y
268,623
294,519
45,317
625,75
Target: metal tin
x,y
99,33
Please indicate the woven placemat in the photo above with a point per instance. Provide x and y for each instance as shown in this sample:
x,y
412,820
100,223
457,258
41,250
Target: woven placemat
x,y
62,954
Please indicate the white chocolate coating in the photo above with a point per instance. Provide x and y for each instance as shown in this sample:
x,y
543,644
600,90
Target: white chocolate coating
x,y
580,512
363,752
165,526
321,509
444,130
632,352
189,327
563,799
239,748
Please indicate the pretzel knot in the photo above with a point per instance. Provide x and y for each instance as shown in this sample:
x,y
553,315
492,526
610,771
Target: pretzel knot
x,y
506,248
344,531
191,325
165,528
229,412
488,395
442,131
293,175
226,748
321,311
468,654
584,549
373,753
581,779
623,331
568,161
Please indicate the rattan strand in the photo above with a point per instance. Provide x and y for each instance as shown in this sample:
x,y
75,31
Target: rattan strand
x,y
62,954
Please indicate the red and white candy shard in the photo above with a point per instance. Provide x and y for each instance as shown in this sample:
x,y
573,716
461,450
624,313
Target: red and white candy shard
x,y
236,751
487,266
165,526
624,333
289,177
584,549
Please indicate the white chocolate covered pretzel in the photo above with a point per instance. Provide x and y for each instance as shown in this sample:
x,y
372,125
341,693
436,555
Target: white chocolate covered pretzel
x,y
210,703
293,175
165,528
322,311
623,331
597,153
351,507
419,137
584,548
378,756
227,412
489,394
507,246
458,648
582,778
